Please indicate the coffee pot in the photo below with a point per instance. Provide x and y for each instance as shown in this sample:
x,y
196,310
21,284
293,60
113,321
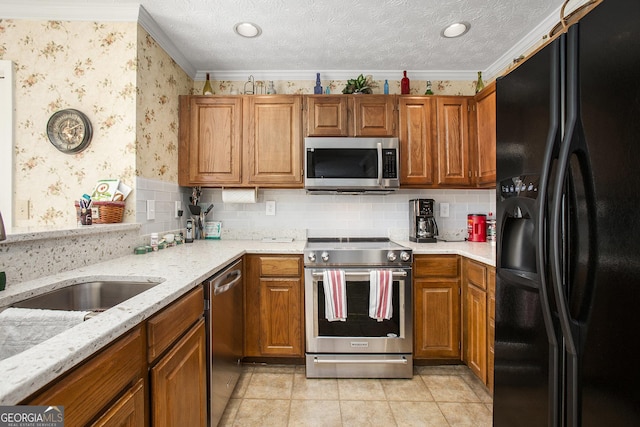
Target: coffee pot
x,y
422,224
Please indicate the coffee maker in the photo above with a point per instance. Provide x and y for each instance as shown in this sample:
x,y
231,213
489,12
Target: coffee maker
x,y
422,224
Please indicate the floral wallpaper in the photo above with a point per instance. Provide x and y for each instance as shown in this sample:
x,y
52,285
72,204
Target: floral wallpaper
x,y
160,81
116,74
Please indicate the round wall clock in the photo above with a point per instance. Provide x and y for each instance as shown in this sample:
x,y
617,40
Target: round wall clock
x,y
69,130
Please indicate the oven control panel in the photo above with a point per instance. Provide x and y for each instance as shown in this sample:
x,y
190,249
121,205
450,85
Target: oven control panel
x,y
341,258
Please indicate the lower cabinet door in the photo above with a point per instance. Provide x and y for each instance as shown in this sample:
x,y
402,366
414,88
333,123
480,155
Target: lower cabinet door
x,y
437,319
477,331
280,317
128,411
178,383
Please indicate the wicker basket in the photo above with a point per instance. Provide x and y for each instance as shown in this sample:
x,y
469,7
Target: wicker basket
x,y
108,212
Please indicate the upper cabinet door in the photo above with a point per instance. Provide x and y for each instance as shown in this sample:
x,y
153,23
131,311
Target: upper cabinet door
x,y
417,140
209,140
273,140
374,115
485,141
326,115
453,141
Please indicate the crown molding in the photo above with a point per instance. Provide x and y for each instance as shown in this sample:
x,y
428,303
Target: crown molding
x,y
532,40
243,75
151,26
69,11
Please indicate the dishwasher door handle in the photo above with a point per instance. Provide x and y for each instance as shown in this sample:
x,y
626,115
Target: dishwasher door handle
x,y
225,281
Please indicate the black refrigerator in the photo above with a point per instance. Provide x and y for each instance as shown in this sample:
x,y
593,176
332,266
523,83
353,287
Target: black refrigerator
x,y
567,338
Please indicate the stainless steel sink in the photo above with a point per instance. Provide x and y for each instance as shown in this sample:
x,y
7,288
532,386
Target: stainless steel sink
x,y
95,296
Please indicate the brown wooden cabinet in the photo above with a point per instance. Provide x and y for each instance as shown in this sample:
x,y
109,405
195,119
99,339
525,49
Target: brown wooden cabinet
x,y
178,382
453,141
474,282
436,306
240,141
491,325
273,140
128,411
274,306
326,115
483,138
350,115
417,139
210,141
112,375
177,356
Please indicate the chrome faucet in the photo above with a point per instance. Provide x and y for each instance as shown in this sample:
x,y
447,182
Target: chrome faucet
x,y
3,235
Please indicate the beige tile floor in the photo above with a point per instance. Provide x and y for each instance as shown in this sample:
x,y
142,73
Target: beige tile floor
x,y
277,395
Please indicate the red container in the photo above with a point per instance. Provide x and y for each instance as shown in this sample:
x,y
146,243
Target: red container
x,y
477,227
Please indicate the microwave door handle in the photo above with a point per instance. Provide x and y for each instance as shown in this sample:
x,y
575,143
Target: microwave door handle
x,y
379,145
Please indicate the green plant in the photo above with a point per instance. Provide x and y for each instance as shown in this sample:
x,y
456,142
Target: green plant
x,y
358,85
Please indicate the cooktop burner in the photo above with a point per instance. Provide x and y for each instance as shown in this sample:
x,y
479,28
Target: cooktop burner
x,y
355,251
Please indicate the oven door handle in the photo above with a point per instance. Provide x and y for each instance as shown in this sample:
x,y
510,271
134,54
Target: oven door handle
x,y
361,273
401,361
379,149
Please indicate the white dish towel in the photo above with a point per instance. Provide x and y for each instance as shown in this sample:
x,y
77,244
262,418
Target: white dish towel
x,y
335,296
380,295
22,328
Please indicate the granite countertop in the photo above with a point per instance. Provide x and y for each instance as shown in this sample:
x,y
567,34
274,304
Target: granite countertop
x,y
180,268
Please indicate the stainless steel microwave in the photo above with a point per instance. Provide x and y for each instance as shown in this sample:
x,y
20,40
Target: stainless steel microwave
x,y
351,165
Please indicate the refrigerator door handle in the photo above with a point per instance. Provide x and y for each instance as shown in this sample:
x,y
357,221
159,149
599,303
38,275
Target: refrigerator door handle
x,y
550,154
562,251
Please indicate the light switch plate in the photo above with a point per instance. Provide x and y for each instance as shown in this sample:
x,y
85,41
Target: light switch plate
x,y
444,210
271,207
151,209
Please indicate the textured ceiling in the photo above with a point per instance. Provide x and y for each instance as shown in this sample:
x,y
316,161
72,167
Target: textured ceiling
x,y
323,35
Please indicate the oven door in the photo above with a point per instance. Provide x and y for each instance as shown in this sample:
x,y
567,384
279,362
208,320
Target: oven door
x,y
359,333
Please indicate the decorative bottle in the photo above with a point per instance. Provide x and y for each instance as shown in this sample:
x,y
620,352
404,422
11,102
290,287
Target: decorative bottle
x,y
317,90
404,84
207,87
386,87
429,91
479,83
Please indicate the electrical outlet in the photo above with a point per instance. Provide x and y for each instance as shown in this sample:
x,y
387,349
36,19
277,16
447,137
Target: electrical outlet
x,y
444,210
151,209
23,208
178,208
271,207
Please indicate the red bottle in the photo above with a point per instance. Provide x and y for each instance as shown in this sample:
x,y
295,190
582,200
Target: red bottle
x,y
404,84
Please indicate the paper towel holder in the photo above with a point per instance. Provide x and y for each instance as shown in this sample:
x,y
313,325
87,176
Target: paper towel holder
x,y
239,195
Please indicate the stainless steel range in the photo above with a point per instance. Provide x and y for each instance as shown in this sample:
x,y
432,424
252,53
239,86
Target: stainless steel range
x,y
358,308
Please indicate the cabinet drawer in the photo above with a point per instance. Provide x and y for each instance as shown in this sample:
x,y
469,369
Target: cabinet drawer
x,y
280,266
477,274
87,390
435,266
167,326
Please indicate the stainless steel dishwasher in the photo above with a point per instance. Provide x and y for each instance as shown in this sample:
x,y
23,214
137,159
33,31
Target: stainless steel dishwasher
x,y
223,316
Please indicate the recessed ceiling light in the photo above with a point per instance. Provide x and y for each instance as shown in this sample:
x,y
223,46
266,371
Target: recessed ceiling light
x,y
455,30
247,29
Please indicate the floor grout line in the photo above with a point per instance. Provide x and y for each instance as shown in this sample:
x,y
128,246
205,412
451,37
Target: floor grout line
x,y
450,406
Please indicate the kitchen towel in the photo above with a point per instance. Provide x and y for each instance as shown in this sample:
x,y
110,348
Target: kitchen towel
x,y
22,328
335,296
380,295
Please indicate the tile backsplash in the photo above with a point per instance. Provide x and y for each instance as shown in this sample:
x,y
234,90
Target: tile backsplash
x,y
338,215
